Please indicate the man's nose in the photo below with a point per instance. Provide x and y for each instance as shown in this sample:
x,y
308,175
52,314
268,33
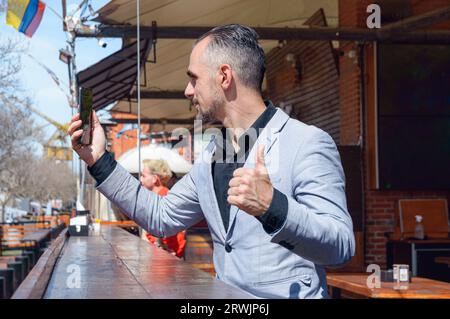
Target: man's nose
x,y
189,91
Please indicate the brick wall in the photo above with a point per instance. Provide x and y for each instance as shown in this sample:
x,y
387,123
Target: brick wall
x,y
128,140
352,13
382,216
381,207
314,96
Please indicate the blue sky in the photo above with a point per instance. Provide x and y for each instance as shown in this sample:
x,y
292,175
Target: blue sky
x,y
44,46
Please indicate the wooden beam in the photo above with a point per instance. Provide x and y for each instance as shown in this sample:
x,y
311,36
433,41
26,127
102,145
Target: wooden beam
x,y
155,121
160,95
312,33
419,21
316,33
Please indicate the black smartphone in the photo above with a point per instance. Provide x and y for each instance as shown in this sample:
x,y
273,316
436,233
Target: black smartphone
x,y
86,115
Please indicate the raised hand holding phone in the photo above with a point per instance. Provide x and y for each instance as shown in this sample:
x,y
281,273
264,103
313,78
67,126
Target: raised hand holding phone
x,y
86,115
95,148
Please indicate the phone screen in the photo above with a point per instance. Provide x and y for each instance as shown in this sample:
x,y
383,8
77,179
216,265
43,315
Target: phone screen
x,y
86,115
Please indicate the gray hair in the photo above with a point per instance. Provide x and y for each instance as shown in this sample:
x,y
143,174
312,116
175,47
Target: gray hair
x,y
238,46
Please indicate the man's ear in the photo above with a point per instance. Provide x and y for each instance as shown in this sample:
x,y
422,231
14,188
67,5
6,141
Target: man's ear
x,y
226,76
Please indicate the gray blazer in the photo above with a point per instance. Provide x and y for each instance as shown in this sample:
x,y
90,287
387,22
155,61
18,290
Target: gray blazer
x,y
304,164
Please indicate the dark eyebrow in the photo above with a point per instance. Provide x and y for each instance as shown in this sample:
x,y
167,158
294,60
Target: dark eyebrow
x,y
191,74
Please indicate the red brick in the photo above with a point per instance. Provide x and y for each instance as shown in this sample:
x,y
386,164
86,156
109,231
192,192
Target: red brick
x,y
319,82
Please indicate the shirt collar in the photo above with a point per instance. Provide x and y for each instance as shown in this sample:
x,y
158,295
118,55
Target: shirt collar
x,y
248,138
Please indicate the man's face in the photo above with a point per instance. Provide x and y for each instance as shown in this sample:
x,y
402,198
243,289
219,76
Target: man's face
x,y
202,88
148,180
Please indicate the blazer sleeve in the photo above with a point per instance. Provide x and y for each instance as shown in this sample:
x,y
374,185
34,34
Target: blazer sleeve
x,y
318,226
161,216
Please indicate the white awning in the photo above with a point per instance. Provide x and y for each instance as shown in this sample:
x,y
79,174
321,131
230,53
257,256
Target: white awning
x,y
176,162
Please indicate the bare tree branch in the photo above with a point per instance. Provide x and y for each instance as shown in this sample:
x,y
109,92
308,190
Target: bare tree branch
x,y
17,128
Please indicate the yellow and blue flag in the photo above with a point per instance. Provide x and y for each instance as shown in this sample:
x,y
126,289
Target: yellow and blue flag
x,y
25,15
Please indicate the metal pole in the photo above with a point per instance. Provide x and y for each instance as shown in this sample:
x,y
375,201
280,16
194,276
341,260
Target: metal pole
x,y
69,70
138,35
74,102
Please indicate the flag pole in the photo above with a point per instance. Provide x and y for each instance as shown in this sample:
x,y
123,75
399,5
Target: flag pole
x,y
52,10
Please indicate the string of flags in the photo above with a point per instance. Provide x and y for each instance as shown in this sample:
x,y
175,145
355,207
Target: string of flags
x,y
25,15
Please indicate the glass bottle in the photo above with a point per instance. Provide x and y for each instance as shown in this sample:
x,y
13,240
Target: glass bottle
x,y
419,231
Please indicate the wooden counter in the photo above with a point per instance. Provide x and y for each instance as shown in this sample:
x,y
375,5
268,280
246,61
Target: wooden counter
x,y
117,264
355,285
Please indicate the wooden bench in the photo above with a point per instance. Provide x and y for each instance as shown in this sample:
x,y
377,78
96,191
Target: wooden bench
x,y
6,259
2,288
23,237
8,276
24,244
15,269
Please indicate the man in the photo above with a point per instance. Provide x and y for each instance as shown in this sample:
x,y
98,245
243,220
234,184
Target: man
x,y
155,176
275,207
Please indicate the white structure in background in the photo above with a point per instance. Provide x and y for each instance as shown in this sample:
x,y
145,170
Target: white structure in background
x,y
35,208
48,209
12,213
176,162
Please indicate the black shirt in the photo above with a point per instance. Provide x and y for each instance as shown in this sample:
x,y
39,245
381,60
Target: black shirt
x,y
226,161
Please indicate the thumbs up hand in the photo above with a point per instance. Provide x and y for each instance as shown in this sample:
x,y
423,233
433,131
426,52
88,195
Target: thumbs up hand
x,y
250,189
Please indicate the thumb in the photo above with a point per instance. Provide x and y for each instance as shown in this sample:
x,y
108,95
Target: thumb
x,y
260,157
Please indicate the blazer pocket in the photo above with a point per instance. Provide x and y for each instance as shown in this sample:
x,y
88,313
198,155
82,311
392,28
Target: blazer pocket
x,y
304,279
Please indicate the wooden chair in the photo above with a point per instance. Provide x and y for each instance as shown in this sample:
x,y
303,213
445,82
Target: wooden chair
x,y
434,213
435,218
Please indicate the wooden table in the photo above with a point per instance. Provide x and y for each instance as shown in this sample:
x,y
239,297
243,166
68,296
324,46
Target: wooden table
x,y
355,285
117,264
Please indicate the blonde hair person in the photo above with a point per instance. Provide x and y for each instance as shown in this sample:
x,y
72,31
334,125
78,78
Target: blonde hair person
x,y
159,168
155,176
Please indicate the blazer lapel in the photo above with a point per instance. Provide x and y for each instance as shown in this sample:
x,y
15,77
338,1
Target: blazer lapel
x,y
207,160
268,137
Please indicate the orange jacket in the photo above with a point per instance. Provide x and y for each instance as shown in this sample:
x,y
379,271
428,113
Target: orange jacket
x,y
176,243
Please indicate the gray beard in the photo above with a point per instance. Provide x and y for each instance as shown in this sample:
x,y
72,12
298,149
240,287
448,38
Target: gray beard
x,y
208,116
211,114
